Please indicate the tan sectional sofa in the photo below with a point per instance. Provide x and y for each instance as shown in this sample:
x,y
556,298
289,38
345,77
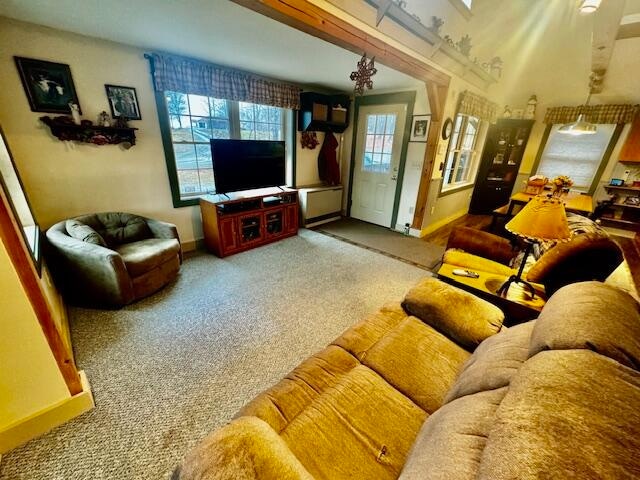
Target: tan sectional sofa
x,y
400,395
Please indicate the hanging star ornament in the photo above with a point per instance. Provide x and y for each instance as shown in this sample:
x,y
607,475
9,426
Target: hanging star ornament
x,y
362,76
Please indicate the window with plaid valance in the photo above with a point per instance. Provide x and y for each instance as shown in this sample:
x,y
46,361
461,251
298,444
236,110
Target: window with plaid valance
x,y
477,106
173,73
594,113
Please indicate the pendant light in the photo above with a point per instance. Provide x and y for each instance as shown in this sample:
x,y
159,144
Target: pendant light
x,y
581,126
589,6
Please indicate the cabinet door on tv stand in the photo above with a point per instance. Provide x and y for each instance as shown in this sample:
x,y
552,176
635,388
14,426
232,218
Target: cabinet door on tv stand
x,y
291,219
228,235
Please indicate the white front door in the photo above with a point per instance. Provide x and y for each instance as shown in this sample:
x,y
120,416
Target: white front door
x,y
375,174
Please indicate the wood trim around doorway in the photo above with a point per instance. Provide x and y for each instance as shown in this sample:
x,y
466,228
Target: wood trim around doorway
x,y
309,18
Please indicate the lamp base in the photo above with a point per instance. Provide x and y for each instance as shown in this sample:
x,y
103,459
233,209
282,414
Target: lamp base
x,y
502,291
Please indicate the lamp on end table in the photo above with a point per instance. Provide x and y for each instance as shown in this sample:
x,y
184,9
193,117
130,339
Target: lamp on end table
x,y
542,219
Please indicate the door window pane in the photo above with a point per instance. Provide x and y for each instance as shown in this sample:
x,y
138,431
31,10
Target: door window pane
x,y
378,143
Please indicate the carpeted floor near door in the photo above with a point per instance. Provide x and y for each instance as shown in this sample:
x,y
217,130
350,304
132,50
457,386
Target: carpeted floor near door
x,y
383,240
168,370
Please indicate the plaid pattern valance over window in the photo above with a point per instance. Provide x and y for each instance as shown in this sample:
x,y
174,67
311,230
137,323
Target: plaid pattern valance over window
x,y
477,106
594,113
186,75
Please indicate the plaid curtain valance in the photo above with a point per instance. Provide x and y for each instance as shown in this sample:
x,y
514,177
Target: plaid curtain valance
x,y
594,113
477,106
186,75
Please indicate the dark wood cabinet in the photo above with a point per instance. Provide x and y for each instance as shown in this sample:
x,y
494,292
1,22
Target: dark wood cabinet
x,y
245,220
499,165
323,113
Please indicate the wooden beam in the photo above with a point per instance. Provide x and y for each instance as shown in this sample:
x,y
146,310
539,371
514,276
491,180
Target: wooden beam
x,y
437,95
606,23
21,259
629,30
306,17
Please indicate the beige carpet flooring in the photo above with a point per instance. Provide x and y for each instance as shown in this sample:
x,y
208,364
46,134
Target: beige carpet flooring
x,y
168,370
383,240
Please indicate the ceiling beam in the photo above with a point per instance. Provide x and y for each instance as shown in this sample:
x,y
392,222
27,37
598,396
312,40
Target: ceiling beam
x,y
629,30
606,23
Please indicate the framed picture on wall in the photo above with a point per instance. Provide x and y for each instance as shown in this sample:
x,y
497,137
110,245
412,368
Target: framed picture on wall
x,y
123,102
420,128
48,85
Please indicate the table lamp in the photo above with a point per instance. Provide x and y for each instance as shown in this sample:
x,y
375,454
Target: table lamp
x,y
542,219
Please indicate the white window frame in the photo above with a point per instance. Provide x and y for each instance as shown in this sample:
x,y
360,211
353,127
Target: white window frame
x,y
463,6
454,151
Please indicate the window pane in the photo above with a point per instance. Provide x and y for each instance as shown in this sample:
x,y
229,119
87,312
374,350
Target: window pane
x,y
219,107
388,144
246,131
185,156
201,127
575,156
391,124
246,111
199,105
371,123
176,103
181,128
460,165
380,123
220,129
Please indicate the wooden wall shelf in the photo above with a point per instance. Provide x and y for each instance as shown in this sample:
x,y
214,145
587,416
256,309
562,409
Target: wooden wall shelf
x,y
97,135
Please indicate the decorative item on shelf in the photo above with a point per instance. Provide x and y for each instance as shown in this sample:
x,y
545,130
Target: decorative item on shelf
x,y
420,128
616,182
542,219
401,3
530,112
436,24
48,85
449,41
464,45
309,140
561,185
121,122
635,201
63,128
495,67
636,183
507,112
123,102
103,119
75,113
416,18
362,76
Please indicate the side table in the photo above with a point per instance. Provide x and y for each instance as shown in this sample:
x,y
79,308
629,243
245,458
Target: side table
x,y
516,309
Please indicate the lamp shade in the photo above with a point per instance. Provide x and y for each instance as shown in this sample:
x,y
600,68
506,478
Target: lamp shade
x,y
543,218
580,127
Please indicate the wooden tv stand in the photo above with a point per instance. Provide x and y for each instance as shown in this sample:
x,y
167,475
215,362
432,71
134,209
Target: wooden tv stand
x,y
248,219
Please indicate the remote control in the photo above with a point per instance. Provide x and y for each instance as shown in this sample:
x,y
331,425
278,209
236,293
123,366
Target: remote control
x,y
465,273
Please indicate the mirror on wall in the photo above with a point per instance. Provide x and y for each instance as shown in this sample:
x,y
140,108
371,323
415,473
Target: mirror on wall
x,y
14,192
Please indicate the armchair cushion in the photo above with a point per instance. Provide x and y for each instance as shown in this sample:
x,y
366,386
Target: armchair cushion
x,y
144,255
475,263
82,231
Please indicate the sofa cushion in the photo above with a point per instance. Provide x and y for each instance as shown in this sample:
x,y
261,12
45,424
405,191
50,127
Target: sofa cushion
x,y
144,255
120,228
567,414
418,361
245,445
450,443
360,428
84,232
280,404
494,362
460,315
593,316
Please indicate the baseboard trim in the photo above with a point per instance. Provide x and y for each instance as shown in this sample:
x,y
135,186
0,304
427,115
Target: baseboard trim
x,y
441,223
41,422
193,245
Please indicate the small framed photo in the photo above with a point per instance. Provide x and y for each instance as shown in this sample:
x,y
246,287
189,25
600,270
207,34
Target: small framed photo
x,y
123,102
635,201
616,182
48,85
420,128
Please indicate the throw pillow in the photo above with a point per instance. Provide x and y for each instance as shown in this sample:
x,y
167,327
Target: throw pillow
x,y
84,232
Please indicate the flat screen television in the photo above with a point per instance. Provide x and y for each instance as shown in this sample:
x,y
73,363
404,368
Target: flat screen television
x,y
247,164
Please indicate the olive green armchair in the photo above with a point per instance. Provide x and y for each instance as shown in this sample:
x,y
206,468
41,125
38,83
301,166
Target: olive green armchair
x,y
112,259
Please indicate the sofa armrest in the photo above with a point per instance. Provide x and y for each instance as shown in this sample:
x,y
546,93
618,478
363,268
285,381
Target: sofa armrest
x,y
164,230
459,315
89,272
481,243
246,448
